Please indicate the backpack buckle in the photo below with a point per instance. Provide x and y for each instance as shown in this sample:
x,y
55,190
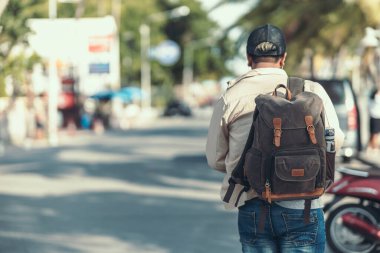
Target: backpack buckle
x,y
277,132
310,128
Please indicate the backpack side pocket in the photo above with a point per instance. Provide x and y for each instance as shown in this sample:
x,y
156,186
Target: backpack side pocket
x,y
253,169
330,168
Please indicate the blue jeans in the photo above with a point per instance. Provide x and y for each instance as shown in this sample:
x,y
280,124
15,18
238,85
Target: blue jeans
x,y
284,229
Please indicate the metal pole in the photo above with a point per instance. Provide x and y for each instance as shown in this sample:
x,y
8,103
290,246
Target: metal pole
x,y
145,65
53,87
116,11
188,72
146,85
52,9
188,61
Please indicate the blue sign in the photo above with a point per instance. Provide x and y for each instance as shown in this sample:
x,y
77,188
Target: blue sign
x,y
99,68
167,52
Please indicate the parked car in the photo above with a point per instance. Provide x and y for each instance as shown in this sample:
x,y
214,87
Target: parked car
x,y
345,103
177,107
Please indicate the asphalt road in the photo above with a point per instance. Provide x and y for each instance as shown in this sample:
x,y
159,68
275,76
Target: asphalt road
x,y
146,190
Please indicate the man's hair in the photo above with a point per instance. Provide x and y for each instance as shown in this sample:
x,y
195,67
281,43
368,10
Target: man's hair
x,y
263,48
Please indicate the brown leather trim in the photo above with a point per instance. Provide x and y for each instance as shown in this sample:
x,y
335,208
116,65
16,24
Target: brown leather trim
x,y
298,172
277,132
288,92
310,128
275,197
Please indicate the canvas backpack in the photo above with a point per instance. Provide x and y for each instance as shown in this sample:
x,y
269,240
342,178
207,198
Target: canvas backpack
x,y
285,154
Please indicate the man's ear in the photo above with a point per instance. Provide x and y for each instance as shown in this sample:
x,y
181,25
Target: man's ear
x,y
250,60
282,61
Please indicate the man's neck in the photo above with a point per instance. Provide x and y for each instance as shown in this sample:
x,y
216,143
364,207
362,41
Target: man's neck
x,y
265,65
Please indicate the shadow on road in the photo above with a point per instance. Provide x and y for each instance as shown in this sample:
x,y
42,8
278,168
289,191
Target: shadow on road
x,y
139,191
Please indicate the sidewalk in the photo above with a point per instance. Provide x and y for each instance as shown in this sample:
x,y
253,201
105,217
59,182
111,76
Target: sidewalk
x,y
70,136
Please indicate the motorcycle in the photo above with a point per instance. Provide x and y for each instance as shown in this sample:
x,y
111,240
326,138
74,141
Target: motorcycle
x,y
353,221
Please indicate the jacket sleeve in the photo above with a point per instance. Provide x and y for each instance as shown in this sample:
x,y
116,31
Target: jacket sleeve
x,y
217,138
331,118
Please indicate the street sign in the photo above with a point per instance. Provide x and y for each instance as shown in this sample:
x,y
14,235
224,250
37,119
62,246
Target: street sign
x,y
167,52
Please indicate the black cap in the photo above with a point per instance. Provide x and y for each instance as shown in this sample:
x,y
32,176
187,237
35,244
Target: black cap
x,y
266,33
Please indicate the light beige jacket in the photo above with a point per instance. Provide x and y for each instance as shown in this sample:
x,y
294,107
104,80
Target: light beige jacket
x,y
232,118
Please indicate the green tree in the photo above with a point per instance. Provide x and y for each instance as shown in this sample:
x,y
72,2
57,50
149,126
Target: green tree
x,y
14,33
82,8
210,57
323,27
208,62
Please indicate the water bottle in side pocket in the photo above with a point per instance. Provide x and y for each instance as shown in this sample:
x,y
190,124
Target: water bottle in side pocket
x,y
330,139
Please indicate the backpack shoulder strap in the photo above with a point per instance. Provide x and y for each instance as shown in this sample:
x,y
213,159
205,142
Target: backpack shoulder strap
x,y
237,175
296,85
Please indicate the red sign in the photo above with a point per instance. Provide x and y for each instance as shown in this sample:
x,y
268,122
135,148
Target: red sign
x,y
98,44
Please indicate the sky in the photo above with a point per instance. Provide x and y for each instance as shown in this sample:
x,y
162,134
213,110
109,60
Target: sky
x,y
226,15
222,15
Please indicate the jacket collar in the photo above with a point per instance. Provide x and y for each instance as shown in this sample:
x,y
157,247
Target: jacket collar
x,y
257,72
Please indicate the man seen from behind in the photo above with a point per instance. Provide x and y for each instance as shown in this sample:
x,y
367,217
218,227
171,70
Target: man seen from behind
x,y
284,229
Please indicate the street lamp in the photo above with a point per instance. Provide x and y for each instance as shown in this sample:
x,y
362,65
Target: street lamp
x,y
145,45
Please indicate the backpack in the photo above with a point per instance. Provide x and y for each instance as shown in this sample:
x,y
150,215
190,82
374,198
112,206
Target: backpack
x,y
285,154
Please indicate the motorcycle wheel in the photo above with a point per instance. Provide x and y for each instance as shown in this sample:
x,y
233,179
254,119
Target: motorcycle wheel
x,y
342,239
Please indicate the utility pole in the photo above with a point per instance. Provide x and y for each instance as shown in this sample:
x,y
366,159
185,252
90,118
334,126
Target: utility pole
x,y
146,85
188,62
80,9
53,75
53,86
116,11
145,65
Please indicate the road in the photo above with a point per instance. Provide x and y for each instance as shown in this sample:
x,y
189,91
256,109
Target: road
x,y
143,190
146,190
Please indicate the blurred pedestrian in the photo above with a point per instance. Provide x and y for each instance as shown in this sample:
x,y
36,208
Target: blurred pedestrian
x,y
284,229
41,108
374,121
